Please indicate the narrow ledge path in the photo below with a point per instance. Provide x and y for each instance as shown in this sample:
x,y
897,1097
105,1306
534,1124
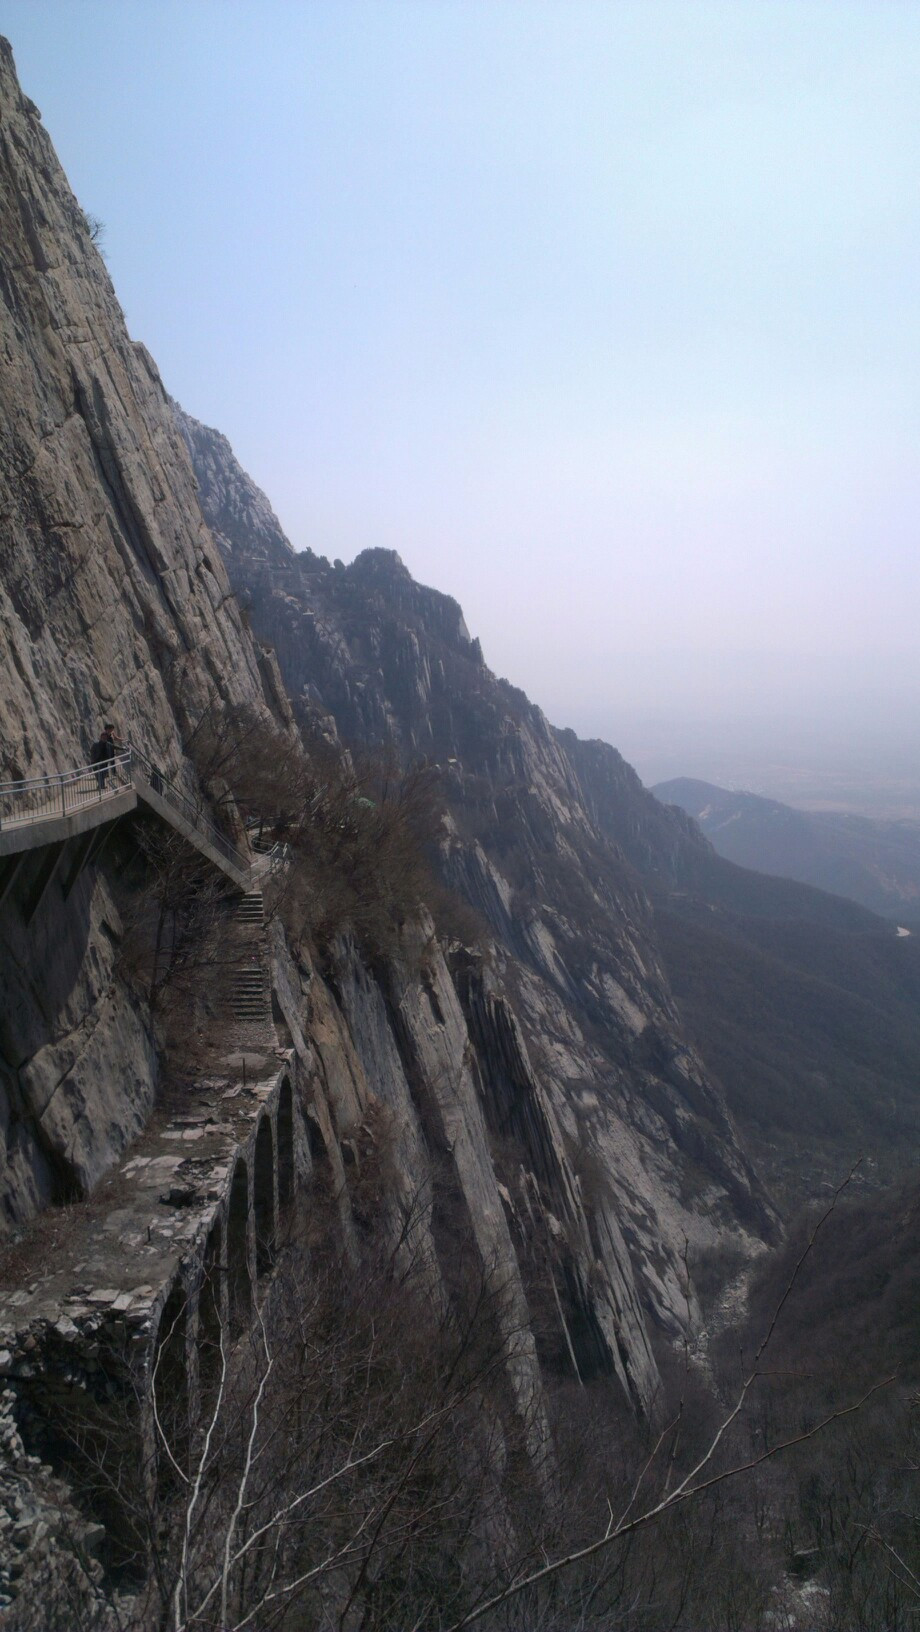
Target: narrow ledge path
x,y
43,811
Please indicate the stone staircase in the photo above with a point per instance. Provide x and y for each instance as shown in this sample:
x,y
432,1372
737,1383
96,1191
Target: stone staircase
x,y
250,990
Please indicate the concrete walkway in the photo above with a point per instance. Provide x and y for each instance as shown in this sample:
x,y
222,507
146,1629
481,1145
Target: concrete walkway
x,y
49,810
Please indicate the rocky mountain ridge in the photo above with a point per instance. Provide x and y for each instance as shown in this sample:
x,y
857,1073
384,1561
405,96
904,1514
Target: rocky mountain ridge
x,y
115,603
874,862
386,663
607,901
524,1097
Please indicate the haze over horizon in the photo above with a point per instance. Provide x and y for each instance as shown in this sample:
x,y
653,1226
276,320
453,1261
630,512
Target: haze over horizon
x,y
604,317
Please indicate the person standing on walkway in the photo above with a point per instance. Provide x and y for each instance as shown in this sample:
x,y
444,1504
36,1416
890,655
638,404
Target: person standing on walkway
x,y
102,755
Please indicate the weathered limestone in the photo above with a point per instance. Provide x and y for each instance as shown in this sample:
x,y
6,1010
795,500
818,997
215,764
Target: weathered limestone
x,y
542,1113
114,599
537,835
575,1238
49,1574
113,603
373,1048
77,1056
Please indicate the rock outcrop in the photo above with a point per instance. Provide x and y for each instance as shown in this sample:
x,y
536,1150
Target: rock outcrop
x,y
508,1081
614,1143
114,602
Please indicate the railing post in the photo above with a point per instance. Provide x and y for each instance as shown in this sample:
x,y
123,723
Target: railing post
x,y
63,796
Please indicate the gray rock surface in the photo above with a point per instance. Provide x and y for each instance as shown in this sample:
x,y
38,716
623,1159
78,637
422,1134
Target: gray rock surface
x,y
398,1042
543,836
50,1577
582,1139
114,603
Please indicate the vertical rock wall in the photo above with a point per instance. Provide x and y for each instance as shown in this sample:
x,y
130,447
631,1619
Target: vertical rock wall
x,y
543,836
114,603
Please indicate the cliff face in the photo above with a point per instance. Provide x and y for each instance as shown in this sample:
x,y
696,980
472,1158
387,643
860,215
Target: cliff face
x,y
115,603
803,1006
509,1095
606,1128
113,599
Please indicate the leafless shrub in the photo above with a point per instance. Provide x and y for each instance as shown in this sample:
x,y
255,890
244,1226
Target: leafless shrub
x,y
359,830
357,859
347,1471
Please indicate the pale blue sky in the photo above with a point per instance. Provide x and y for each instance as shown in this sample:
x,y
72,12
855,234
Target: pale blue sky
x,y
604,315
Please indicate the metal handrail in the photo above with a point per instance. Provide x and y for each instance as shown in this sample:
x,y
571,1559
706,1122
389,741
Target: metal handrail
x,y
276,853
38,798
186,807
57,778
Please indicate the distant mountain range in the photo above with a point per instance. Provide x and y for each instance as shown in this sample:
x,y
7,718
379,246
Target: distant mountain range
x,y
876,863
803,1006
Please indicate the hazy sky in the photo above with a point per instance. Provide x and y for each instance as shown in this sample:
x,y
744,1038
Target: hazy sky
x,y
604,315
